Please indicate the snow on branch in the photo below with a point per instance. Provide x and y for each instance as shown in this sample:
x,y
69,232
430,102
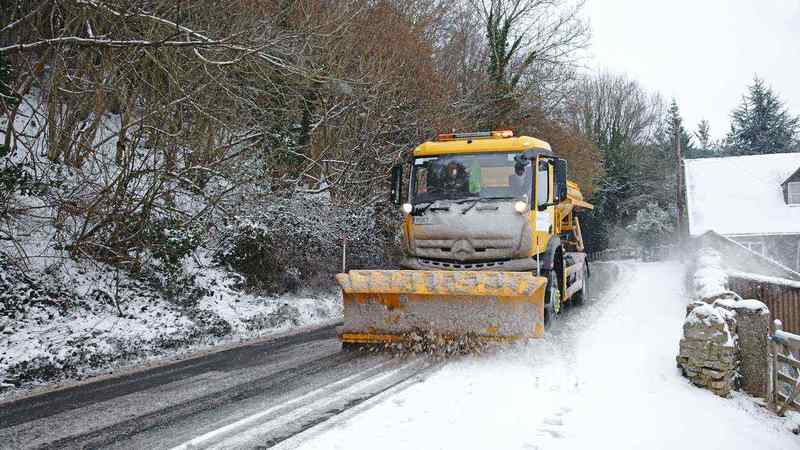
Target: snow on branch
x,y
100,42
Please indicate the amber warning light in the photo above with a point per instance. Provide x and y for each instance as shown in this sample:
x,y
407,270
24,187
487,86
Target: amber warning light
x,y
475,135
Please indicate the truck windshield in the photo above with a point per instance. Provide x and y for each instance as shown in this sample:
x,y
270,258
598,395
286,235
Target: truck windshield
x,y
484,175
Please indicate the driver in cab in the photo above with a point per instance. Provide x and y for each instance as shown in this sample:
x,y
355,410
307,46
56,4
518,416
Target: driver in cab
x,y
456,179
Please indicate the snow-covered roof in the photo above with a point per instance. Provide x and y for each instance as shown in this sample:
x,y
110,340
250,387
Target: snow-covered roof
x,y
741,195
793,177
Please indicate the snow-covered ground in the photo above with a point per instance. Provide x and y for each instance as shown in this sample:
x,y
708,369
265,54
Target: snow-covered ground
x,y
66,315
87,319
605,378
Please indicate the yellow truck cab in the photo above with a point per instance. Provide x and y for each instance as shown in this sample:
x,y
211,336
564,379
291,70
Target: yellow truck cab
x,y
490,201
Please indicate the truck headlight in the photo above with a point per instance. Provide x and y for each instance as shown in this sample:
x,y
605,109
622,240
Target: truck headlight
x,y
407,208
521,207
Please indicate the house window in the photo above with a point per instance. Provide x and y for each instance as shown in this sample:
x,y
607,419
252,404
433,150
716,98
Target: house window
x,y
794,193
797,259
755,247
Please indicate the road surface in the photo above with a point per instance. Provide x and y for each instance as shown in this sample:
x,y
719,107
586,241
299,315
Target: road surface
x,y
603,378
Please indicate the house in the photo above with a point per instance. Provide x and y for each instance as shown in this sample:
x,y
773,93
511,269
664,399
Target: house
x,y
753,200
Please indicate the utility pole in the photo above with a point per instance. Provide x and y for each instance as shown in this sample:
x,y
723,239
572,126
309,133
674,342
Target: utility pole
x,y
680,196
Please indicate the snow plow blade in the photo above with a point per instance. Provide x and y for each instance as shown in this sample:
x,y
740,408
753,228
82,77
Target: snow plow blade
x,y
385,306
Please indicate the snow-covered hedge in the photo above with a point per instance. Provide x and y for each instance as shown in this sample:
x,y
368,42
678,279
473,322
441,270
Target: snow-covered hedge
x,y
709,277
295,240
84,318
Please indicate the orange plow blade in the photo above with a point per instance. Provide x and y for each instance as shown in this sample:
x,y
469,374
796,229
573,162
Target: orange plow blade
x,y
382,306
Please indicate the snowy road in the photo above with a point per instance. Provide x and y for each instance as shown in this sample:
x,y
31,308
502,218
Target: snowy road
x,y
172,404
605,379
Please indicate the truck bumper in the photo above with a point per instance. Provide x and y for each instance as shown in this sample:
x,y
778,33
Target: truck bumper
x,y
511,265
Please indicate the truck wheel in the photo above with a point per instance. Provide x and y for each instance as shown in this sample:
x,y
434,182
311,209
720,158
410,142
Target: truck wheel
x,y
351,347
552,299
580,296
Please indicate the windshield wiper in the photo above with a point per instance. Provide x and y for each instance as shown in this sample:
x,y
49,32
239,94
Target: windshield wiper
x,y
479,199
424,208
429,204
466,199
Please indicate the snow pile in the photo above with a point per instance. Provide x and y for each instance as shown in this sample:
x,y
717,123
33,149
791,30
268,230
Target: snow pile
x,y
709,278
708,323
248,313
752,306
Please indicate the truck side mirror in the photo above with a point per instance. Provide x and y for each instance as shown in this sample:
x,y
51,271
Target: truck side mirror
x,y
560,179
519,168
395,193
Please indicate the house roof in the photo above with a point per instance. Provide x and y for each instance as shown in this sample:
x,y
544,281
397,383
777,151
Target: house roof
x,y
793,177
741,195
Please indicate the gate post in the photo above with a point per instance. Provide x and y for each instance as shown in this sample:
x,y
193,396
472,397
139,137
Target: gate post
x,y
773,366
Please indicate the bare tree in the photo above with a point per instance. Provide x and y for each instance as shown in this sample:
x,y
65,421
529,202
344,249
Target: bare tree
x,y
145,107
612,110
533,47
132,125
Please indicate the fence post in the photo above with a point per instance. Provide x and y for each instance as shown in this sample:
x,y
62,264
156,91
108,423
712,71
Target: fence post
x,y
344,253
774,367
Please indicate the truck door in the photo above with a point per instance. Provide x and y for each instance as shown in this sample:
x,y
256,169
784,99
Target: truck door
x,y
544,198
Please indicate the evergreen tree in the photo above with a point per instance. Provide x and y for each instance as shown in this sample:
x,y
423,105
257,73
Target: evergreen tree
x,y
762,124
652,226
703,134
706,147
674,127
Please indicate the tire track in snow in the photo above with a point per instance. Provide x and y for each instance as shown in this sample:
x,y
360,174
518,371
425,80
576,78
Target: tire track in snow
x,y
289,419
121,431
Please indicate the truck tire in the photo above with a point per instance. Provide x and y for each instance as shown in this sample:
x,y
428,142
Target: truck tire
x,y
552,299
352,347
580,296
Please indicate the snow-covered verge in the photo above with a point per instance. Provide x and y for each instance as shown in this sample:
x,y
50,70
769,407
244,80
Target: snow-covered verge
x,y
764,279
712,271
113,257
709,276
83,319
604,378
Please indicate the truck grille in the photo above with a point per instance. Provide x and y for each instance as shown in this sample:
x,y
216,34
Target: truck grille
x,y
460,265
464,250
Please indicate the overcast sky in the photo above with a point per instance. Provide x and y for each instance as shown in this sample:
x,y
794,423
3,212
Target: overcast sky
x,y
703,52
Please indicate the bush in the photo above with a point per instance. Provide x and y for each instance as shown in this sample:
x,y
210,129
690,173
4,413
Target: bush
x,y
297,239
21,288
168,242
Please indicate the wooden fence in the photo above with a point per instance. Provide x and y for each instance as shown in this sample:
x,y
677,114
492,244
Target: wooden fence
x,y
782,297
657,253
615,254
784,368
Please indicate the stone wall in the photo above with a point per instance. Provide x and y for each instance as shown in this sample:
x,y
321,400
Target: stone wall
x,y
724,343
752,329
708,353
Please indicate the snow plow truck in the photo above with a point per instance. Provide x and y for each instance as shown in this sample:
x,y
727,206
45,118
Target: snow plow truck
x,y
491,240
